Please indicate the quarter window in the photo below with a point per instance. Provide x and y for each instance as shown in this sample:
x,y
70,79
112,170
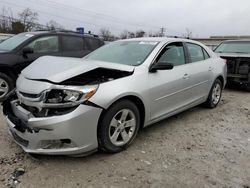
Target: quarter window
x,y
44,44
206,54
172,53
71,43
195,52
92,43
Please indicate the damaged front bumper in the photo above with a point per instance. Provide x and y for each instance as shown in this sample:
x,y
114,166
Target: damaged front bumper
x,y
72,133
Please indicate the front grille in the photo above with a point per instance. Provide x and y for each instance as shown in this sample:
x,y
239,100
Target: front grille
x,y
28,95
20,140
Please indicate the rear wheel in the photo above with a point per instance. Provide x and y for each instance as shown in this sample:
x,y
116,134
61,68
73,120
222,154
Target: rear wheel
x,y
6,85
248,84
248,87
118,127
214,94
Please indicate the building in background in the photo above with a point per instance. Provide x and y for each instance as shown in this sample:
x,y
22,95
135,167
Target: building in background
x,y
214,41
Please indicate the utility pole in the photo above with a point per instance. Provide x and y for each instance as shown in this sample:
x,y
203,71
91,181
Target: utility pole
x,y
162,32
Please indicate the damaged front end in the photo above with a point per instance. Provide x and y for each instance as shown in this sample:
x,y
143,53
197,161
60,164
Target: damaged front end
x,y
57,118
62,98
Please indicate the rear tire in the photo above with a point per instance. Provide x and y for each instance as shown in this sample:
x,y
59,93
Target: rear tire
x,y
118,126
248,87
214,94
6,85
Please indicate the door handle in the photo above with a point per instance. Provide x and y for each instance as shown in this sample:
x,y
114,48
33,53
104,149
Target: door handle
x,y
210,68
186,76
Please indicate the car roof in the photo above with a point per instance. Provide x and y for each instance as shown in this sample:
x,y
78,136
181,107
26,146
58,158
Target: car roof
x,y
159,39
63,33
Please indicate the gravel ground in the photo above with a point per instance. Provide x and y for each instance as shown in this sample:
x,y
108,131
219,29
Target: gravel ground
x,y
197,148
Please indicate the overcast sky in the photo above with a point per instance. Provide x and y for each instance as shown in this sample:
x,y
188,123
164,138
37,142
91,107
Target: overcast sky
x,y
203,17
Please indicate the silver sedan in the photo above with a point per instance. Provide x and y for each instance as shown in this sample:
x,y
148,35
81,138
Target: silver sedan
x,y
71,106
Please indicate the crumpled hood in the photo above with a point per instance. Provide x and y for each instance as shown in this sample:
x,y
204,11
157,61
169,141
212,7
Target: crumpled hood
x,y
233,55
58,69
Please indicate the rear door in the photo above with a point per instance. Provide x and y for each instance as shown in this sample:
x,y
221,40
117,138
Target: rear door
x,y
73,46
199,73
169,89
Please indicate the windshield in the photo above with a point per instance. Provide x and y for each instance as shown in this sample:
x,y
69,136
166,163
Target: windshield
x,y
15,41
124,52
234,47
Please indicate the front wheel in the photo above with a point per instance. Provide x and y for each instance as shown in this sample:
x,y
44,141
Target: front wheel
x,y
6,85
118,126
214,94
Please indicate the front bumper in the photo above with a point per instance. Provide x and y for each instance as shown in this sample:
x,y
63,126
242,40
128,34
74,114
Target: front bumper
x,y
70,134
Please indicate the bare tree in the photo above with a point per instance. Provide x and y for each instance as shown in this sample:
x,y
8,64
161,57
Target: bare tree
x,y
28,18
106,34
53,25
154,34
124,34
131,35
140,33
150,34
17,27
5,20
188,33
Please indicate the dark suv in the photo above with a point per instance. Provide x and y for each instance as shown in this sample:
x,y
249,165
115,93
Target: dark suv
x,y
20,50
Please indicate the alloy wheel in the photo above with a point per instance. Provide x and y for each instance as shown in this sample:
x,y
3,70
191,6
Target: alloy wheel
x,y
4,87
216,94
122,127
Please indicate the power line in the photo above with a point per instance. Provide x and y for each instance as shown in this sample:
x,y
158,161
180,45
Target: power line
x,y
92,14
101,15
87,12
62,17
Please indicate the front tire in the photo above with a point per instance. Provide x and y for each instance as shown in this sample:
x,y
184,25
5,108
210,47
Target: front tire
x,y
118,126
6,85
214,94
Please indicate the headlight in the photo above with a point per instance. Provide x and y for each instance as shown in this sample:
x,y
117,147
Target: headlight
x,y
71,94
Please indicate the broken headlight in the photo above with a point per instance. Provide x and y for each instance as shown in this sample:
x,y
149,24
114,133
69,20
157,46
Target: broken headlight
x,y
68,94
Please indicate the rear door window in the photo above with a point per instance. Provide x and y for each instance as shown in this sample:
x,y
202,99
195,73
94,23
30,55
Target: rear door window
x,y
92,43
72,43
195,52
206,56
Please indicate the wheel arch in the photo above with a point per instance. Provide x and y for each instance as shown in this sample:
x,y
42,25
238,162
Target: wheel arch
x,y
220,77
7,70
136,100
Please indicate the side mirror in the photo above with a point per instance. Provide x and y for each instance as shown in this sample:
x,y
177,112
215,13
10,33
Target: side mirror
x,y
161,66
27,50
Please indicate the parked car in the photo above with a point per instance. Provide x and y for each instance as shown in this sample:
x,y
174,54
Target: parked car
x,y
20,50
5,36
237,54
72,106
